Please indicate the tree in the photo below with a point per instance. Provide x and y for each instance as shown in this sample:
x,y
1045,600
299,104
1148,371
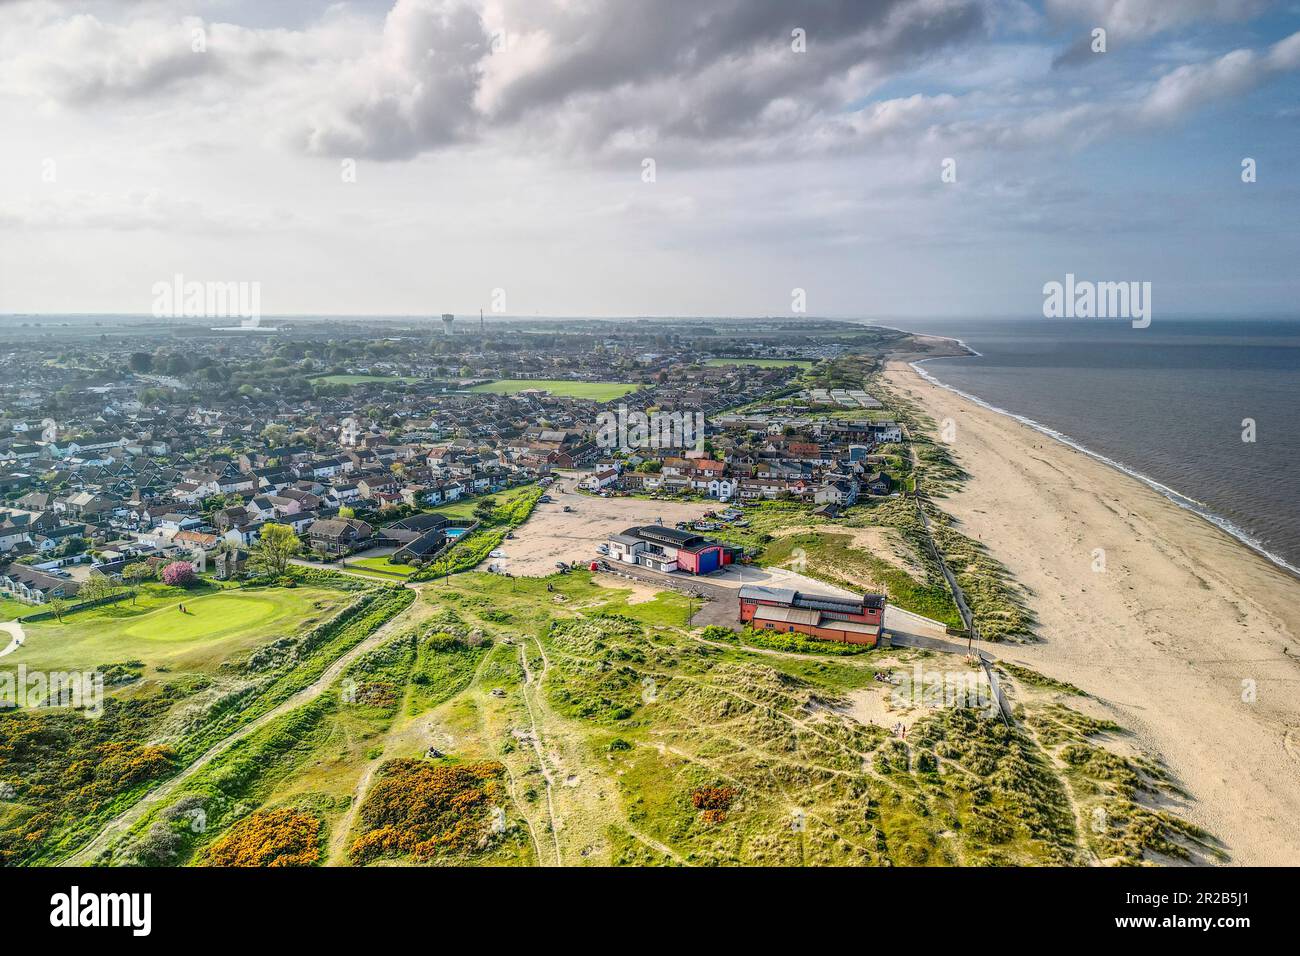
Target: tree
x,y
137,573
178,574
141,362
275,547
98,587
346,512
60,608
275,435
483,510
74,544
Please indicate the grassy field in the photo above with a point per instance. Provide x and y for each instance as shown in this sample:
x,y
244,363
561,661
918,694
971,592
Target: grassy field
x,y
598,391
381,566
362,379
464,508
215,626
10,609
761,362
175,683
580,722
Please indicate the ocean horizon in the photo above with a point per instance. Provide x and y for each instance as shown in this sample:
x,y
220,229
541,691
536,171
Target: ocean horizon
x,y
1200,410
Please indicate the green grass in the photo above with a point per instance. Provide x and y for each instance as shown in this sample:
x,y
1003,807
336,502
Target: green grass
x,y
362,379
215,627
381,566
598,391
642,718
761,362
464,507
195,678
11,609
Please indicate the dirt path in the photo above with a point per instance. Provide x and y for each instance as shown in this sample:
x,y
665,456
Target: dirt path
x,y
122,823
15,631
532,687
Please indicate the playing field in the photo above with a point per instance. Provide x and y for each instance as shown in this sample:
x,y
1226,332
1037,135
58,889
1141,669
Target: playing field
x,y
362,379
597,391
214,627
761,363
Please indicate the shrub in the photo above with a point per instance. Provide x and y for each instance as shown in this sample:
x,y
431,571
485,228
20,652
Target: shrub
x,y
284,837
179,574
425,809
713,798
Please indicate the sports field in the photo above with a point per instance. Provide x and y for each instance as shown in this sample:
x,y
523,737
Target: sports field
x,y
597,391
761,362
213,628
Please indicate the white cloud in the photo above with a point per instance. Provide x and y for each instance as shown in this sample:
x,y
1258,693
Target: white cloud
x,y
1133,19
1192,86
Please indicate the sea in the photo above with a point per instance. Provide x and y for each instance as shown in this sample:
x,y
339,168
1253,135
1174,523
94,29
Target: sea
x,y
1205,411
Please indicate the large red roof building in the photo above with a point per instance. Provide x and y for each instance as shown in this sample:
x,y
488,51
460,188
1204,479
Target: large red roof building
x,y
849,620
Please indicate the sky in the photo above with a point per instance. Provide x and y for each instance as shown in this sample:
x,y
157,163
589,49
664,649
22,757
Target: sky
x,y
846,158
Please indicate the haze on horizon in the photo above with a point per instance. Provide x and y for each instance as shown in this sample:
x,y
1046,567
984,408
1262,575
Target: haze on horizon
x,y
502,145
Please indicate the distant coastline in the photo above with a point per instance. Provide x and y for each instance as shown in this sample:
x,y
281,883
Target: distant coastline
x,y
1186,502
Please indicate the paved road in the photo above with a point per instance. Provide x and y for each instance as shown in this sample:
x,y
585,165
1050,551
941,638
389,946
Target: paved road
x,y
15,631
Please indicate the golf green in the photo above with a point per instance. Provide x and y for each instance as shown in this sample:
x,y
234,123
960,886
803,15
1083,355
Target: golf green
x,y
213,628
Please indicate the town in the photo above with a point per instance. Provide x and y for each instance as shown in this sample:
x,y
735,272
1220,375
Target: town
x,y
119,459
262,586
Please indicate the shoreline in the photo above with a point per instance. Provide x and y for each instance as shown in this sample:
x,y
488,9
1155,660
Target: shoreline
x,y
1186,502
1183,636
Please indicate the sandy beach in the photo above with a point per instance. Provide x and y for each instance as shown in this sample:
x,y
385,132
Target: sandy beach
x,y
1172,636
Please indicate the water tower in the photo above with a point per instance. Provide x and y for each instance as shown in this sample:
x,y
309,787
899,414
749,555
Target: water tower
x,y
447,320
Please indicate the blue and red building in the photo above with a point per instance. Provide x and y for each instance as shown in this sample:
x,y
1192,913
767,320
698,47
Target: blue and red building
x,y
669,549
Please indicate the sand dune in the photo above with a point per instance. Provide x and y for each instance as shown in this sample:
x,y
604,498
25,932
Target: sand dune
x,y
1173,635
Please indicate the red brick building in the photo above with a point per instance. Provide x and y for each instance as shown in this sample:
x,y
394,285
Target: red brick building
x,y
856,620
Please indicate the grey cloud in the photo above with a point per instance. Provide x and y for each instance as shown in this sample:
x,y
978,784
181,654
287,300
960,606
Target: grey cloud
x,y
616,76
1078,53
602,46
416,94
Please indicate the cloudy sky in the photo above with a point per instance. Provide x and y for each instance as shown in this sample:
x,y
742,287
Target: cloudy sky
x,y
509,144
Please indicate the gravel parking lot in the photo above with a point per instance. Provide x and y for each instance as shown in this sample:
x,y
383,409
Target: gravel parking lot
x,y
552,535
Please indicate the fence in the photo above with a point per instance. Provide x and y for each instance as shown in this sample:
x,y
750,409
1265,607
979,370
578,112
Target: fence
x,y
79,606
